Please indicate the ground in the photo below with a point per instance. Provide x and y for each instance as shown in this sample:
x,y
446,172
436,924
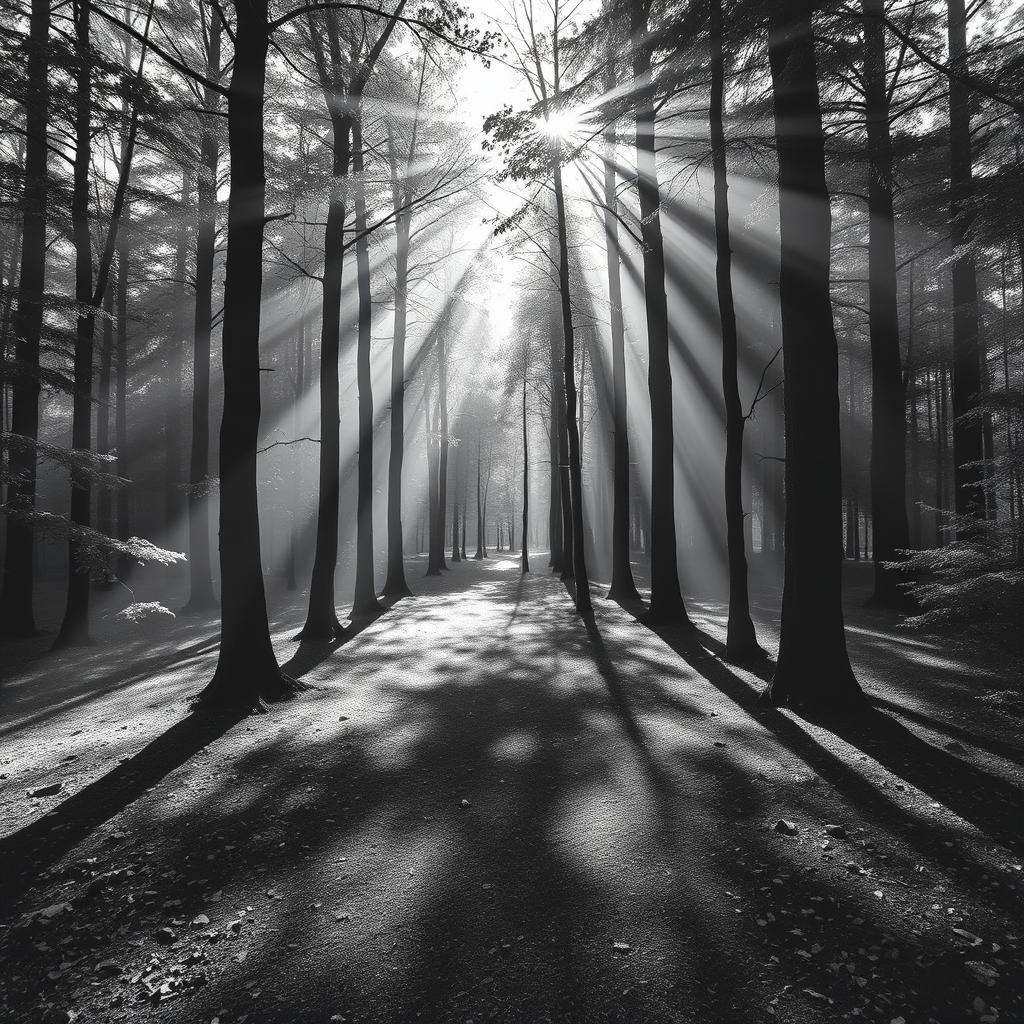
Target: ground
x,y
485,810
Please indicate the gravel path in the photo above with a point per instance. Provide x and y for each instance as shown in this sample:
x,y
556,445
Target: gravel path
x,y
487,810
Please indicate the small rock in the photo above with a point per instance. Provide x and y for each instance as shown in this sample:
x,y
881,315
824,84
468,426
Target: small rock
x,y
108,968
621,947
836,831
786,828
165,936
200,921
53,787
464,804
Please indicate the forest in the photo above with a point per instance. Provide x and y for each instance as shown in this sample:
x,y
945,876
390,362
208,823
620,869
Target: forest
x,y
511,511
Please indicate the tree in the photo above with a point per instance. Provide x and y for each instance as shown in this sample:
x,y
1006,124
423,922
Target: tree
x,y
247,672
741,642
17,617
622,586
888,396
666,598
813,667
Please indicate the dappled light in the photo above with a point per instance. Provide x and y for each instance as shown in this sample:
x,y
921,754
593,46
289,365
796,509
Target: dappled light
x,y
511,512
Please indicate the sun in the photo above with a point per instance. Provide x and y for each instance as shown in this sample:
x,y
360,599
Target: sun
x,y
564,124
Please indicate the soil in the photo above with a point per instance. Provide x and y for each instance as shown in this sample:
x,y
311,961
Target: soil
x,y
485,809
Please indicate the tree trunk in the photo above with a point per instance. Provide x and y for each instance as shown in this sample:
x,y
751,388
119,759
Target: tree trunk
x,y
557,432
125,494
200,574
17,618
968,445
104,500
456,557
395,584
364,602
666,599
622,588
321,617
888,394
247,671
741,642
524,562
442,459
175,364
579,560
291,580
813,666
480,540
435,538
75,625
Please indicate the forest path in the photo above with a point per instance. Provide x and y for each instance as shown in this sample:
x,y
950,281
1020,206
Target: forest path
x,y
617,858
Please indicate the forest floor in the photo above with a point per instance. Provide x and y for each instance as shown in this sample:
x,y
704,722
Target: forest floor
x,y
487,810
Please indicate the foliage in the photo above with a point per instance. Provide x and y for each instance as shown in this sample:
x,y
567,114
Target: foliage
x,y
95,549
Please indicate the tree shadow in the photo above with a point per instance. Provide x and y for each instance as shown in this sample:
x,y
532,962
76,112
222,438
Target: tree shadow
x,y
991,804
25,854
1010,751
312,653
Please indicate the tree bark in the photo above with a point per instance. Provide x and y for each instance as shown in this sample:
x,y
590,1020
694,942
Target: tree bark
x,y
200,575
364,602
321,617
968,443
622,587
175,363
524,561
247,671
17,618
75,625
741,642
557,432
666,599
575,473
888,392
813,667
395,585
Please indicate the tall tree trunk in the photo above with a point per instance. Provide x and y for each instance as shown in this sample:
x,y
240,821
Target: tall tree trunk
x,y
364,602
524,562
298,391
888,393
666,599
247,671
442,456
910,377
579,559
968,444
557,432
321,617
75,625
104,500
17,618
175,363
813,666
395,584
435,539
200,574
480,540
741,641
456,557
622,588
125,494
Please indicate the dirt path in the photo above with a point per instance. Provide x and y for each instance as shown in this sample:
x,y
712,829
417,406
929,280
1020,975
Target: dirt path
x,y
488,811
